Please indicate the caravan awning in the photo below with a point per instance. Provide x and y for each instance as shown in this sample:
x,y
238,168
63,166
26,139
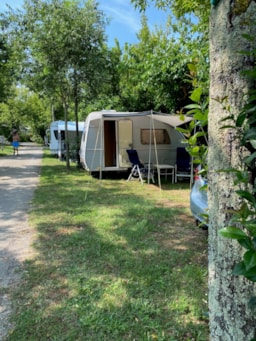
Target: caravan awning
x,y
170,119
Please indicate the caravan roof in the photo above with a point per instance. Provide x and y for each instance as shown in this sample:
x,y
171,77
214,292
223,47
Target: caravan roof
x,y
60,125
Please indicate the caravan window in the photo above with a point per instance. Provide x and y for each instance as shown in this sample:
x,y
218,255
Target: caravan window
x,y
161,136
62,134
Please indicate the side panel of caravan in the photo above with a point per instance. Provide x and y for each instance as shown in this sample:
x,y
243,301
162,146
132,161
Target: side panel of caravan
x,y
91,150
57,136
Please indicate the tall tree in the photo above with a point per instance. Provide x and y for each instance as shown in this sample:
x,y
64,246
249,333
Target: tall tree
x,y
154,70
23,108
6,66
63,43
230,316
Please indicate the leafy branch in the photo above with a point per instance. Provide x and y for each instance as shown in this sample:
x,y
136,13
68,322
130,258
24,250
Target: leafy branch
x,y
196,132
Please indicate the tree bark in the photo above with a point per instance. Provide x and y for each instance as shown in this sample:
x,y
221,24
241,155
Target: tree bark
x,y
230,316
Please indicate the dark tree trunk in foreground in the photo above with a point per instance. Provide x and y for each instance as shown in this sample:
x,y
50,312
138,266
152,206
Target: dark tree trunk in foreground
x,y
230,316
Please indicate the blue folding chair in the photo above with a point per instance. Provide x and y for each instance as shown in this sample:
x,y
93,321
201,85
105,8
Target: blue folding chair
x,y
183,164
138,171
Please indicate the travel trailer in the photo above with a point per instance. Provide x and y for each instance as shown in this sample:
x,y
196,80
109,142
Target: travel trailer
x,y
57,136
109,134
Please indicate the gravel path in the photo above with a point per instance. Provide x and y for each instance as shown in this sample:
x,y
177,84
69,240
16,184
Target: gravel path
x,y
19,176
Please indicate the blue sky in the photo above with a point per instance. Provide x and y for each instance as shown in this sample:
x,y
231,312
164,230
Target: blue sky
x,y
124,19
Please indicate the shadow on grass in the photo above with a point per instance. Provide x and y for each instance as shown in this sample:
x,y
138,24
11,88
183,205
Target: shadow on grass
x,y
114,263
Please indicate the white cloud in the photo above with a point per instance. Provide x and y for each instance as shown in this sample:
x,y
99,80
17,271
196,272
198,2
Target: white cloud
x,y
122,12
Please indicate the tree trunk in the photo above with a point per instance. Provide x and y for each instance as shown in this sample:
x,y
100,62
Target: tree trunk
x,y
76,104
65,106
230,317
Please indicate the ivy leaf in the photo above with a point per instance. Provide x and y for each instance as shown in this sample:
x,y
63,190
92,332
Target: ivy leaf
x,y
249,109
195,150
252,119
240,119
227,118
193,106
246,195
246,243
192,67
182,130
251,227
196,95
200,116
239,269
192,140
244,211
249,134
250,259
253,143
251,157
248,36
251,274
194,111
252,304
233,232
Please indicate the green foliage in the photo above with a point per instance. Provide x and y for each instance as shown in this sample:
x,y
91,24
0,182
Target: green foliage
x,y
25,109
6,67
153,71
67,60
199,9
196,132
215,2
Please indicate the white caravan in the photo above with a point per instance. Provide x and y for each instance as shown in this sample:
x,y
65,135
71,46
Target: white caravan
x,y
57,136
108,134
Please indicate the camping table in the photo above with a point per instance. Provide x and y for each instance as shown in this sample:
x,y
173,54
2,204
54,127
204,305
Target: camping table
x,y
165,170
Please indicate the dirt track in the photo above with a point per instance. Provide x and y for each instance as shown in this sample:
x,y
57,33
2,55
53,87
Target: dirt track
x,y
19,176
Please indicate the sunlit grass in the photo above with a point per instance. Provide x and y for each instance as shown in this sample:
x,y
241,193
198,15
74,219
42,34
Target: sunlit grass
x,y
116,260
6,150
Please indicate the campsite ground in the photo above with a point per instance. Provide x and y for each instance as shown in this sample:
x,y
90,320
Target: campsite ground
x,y
112,260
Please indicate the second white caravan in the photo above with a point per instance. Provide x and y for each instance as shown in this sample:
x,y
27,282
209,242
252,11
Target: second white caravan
x,y
57,136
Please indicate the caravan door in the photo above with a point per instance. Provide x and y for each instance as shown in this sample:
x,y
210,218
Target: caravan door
x,y
117,138
110,143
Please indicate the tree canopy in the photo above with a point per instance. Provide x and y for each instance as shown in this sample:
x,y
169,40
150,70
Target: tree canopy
x,y
67,60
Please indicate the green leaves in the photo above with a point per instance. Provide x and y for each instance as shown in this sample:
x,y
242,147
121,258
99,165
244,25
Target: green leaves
x,y
196,95
240,270
247,267
196,132
233,232
247,196
250,260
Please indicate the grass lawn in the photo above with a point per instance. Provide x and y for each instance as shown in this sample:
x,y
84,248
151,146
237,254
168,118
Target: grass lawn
x,y
114,261
6,150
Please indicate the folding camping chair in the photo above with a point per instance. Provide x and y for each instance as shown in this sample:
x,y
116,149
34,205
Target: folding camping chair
x,y
183,165
138,171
